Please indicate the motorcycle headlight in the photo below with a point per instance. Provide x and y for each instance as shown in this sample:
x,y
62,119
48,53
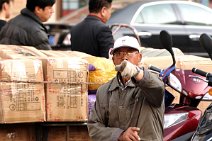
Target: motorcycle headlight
x,y
174,82
173,119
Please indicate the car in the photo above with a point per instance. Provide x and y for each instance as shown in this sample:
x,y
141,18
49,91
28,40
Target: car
x,y
184,20
59,35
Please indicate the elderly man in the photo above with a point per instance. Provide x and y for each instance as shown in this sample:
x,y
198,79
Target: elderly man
x,y
130,107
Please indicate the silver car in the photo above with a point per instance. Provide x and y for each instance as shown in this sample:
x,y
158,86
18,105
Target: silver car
x,y
184,20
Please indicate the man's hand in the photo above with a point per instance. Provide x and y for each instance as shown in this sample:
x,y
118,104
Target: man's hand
x,y
127,69
131,134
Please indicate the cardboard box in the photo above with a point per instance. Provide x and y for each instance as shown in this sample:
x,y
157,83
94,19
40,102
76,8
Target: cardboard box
x,y
58,53
22,91
202,105
186,62
17,52
67,70
104,68
161,62
26,70
67,107
52,53
66,91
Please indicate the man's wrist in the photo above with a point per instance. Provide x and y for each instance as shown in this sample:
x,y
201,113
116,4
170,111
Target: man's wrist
x,y
121,137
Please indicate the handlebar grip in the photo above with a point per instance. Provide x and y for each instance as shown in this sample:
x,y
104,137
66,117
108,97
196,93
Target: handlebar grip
x,y
155,68
201,72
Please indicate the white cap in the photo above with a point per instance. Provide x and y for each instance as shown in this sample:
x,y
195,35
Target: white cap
x,y
126,41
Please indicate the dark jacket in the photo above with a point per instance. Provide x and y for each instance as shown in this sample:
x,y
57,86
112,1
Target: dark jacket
x,y
25,29
139,104
92,36
2,23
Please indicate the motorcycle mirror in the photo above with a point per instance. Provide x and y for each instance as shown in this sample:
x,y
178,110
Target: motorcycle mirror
x,y
206,43
166,41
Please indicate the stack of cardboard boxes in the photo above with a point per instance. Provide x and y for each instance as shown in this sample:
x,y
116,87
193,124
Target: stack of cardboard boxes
x,y
52,86
37,88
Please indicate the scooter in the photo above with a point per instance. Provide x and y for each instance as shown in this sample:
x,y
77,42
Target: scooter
x,y
181,120
204,129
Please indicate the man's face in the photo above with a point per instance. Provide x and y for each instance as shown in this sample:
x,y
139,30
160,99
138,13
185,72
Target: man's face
x,y
126,53
44,14
106,13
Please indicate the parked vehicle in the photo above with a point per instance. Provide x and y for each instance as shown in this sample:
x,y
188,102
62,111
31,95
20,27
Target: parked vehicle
x,y
59,35
181,119
204,129
185,21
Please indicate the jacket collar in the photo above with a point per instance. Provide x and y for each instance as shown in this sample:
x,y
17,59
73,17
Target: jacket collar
x,y
93,17
115,83
26,12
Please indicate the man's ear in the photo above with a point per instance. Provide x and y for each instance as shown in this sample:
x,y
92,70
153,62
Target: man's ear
x,y
37,10
112,58
103,12
5,6
140,56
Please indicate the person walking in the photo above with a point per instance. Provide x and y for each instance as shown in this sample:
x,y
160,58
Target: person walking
x,y
5,11
27,28
130,107
92,35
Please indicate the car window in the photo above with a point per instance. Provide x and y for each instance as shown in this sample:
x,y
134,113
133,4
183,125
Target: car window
x,y
156,14
195,15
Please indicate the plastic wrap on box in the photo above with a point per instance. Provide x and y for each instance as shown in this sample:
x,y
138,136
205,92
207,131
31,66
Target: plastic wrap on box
x,y
91,101
104,71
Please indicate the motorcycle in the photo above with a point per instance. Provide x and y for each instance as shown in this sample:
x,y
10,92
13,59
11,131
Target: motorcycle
x,y
181,119
204,129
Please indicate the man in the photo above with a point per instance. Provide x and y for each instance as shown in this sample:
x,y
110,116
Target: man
x,y
210,3
27,28
130,107
5,11
92,36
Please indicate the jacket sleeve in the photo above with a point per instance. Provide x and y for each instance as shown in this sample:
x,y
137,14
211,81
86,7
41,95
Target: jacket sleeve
x,y
152,87
40,41
105,41
98,120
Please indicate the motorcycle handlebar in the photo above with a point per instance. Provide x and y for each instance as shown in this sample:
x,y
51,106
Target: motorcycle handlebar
x,y
155,69
201,72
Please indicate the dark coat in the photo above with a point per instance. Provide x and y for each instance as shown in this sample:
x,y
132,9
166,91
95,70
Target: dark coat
x,y
2,23
92,36
25,29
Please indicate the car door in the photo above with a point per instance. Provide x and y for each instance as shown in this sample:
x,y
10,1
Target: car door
x,y
153,17
196,20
